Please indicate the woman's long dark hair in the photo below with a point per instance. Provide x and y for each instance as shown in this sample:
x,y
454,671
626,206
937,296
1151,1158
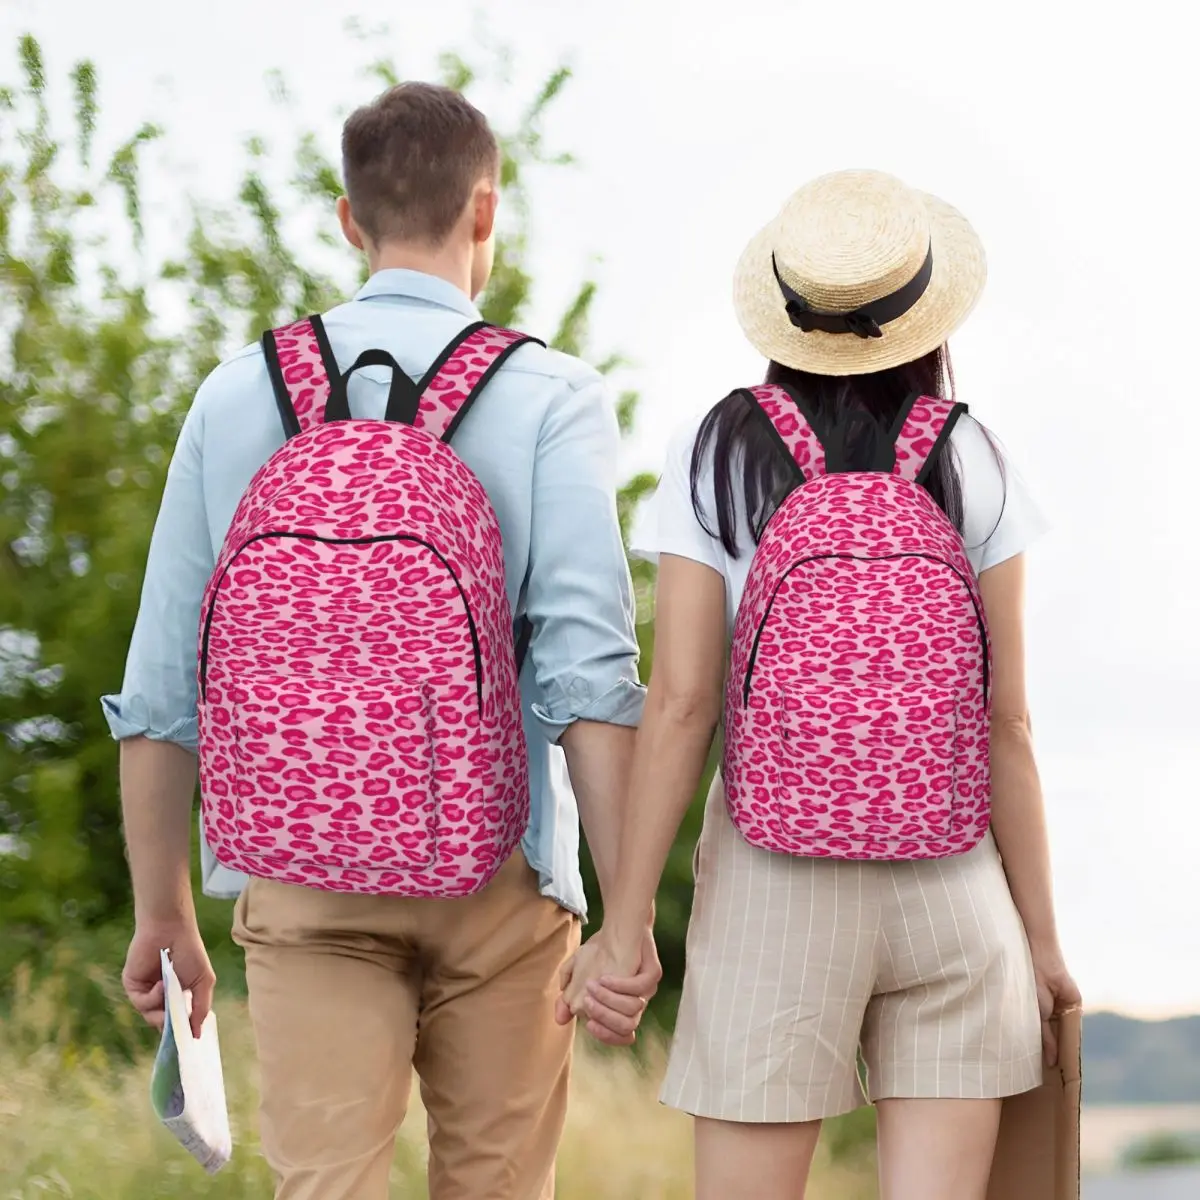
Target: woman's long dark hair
x,y
854,413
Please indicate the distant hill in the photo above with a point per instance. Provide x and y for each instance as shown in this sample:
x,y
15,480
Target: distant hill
x,y
1140,1062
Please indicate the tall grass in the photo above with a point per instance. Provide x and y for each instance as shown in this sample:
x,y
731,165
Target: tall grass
x,y
77,1123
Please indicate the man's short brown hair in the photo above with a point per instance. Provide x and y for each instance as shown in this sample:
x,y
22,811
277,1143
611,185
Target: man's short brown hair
x,y
411,159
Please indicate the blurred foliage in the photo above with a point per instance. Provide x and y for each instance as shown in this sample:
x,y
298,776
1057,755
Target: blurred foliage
x,y
850,1138
102,346
1162,1150
94,383
74,1122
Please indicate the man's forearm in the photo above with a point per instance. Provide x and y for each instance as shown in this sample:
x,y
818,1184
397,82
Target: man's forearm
x,y
599,758
158,782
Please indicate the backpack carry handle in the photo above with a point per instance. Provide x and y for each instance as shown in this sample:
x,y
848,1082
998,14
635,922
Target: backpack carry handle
x,y
403,397
792,426
310,389
923,427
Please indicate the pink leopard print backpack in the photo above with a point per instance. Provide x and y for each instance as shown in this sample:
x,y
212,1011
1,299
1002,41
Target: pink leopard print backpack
x,y
857,705
360,718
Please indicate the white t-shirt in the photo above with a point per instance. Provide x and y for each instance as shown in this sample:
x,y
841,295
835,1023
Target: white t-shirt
x,y
1000,518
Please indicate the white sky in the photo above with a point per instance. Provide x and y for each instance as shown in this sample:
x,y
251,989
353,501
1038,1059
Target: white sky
x,y
1066,136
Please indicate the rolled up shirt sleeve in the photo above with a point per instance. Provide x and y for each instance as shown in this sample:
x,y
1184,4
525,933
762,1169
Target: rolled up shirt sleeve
x,y
579,595
158,696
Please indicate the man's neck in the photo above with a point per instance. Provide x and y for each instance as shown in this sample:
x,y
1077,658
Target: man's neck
x,y
451,263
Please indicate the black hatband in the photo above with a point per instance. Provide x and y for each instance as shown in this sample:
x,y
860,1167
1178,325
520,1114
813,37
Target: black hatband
x,y
866,321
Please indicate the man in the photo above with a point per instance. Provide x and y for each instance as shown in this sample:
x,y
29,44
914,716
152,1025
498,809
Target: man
x,y
349,992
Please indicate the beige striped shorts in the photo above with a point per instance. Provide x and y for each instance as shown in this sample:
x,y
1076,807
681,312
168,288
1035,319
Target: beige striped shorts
x,y
805,974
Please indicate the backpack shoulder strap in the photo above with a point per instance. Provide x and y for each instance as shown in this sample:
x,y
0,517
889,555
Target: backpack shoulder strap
x,y
922,429
460,373
793,428
301,367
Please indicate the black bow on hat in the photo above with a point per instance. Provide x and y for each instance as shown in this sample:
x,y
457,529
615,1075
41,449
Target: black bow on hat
x,y
864,322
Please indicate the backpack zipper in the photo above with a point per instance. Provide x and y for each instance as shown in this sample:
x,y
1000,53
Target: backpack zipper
x,y
361,541
867,558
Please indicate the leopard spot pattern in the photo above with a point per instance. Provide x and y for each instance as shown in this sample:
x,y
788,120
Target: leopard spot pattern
x,y
461,375
856,717
919,435
303,372
797,434
360,717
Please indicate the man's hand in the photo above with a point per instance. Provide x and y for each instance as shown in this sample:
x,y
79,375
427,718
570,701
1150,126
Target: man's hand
x,y
142,977
157,782
609,989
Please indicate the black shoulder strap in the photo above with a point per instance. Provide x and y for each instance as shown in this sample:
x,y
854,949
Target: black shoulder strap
x,y
460,373
794,430
302,370
920,433
522,636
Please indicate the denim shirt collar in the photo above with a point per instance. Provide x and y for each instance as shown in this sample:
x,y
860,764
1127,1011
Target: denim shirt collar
x,y
416,285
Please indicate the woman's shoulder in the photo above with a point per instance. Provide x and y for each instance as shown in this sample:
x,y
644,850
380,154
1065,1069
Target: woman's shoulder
x,y
667,521
688,460
681,442
976,442
981,462
1001,518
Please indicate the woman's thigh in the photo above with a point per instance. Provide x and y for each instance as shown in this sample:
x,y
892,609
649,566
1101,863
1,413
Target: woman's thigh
x,y
737,1161
936,1149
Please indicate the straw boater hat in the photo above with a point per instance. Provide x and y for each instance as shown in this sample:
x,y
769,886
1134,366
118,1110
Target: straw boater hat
x,y
858,273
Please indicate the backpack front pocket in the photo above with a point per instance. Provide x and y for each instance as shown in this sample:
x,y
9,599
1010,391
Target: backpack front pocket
x,y
335,773
868,763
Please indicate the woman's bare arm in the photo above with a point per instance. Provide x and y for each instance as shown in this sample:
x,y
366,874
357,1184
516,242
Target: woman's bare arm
x,y
1018,814
683,708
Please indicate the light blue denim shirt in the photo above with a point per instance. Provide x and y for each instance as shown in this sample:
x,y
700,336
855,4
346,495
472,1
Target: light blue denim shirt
x,y
543,441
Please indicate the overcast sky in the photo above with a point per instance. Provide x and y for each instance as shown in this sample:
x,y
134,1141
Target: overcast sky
x,y
1068,139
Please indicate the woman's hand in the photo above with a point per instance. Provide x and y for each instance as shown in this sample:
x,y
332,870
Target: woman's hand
x,y
609,987
1056,992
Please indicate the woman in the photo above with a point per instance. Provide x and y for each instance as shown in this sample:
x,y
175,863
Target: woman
x,y
845,915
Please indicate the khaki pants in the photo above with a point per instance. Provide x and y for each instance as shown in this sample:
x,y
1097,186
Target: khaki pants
x,y
349,993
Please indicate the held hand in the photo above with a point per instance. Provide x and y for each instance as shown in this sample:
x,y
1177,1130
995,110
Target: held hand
x,y
600,985
1056,992
142,976
614,1006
